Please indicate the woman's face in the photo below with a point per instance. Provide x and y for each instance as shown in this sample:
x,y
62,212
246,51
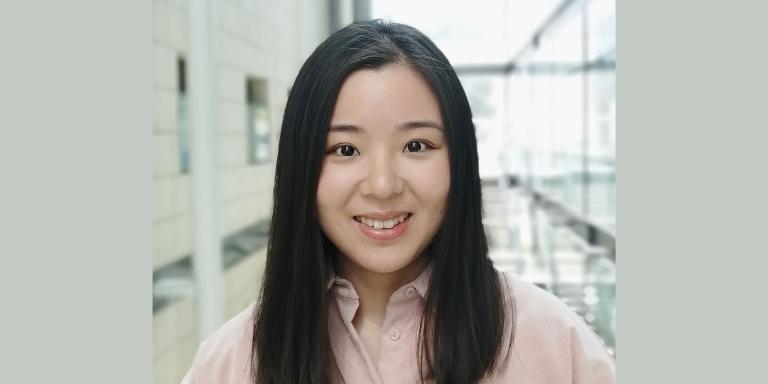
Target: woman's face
x,y
386,174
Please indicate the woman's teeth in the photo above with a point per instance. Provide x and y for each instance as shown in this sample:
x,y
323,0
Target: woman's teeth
x,y
379,224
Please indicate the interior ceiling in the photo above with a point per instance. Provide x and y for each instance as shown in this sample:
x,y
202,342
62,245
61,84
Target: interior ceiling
x,y
471,31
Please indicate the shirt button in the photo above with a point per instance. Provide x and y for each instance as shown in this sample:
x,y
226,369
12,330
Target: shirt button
x,y
410,291
395,335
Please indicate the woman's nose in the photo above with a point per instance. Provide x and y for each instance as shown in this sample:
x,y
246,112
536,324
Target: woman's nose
x,y
383,180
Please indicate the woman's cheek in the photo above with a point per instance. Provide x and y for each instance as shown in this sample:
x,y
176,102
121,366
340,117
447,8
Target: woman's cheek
x,y
336,182
430,179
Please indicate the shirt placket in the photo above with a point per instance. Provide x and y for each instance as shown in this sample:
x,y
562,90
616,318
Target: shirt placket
x,y
398,346
348,302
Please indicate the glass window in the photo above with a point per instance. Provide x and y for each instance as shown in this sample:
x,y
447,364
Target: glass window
x,y
486,98
182,115
257,120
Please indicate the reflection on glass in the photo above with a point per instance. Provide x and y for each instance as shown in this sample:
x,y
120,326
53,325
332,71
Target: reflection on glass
x,y
257,121
182,116
564,94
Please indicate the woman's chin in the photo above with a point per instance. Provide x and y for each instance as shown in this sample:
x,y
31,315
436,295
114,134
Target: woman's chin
x,y
381,262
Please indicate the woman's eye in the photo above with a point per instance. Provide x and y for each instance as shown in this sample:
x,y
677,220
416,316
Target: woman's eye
x,y
415,146
345,150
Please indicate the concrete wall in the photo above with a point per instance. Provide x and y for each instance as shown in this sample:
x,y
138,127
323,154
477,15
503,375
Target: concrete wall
x,y
253,38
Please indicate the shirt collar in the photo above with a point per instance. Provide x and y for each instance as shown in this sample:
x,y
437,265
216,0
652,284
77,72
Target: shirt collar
x,y
421,283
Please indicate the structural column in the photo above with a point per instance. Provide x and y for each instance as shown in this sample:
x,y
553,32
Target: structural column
x,y
207,252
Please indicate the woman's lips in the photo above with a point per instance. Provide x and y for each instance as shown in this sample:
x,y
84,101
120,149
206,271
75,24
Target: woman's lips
x,y
384,233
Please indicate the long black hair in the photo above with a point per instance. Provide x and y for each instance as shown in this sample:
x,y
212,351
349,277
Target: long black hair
x,y
463,319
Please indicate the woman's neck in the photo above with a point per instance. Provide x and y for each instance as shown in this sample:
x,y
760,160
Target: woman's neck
x,y
375,289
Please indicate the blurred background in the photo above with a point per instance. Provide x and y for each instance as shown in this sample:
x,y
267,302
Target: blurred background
x,y
540,77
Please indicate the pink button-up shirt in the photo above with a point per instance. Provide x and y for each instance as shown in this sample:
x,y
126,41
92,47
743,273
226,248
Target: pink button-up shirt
x,y
551,343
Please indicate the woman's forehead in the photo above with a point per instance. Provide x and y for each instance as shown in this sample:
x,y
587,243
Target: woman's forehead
x,y
392,95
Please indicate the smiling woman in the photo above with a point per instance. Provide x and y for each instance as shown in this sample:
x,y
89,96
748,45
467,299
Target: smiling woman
x,y
384,184
377,267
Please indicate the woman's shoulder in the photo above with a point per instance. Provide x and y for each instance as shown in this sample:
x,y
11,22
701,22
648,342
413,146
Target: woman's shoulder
x,y
225,356
535,303
552,342
539,310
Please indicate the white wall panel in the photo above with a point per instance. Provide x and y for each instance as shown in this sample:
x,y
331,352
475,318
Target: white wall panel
x,y
165,70
170,26
172,196
231,84
232,150
231,117
164,111
166,157
172,239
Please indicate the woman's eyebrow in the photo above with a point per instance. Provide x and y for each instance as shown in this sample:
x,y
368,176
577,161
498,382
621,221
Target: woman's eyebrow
x,y
414,124
408,125
345,128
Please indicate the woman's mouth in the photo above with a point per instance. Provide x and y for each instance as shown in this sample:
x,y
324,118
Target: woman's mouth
x,y
384,228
